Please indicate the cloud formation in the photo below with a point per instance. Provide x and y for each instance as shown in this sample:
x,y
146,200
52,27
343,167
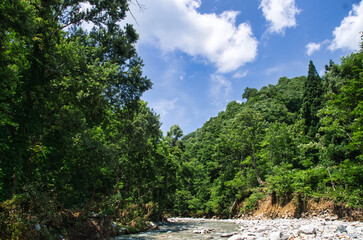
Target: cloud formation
x,y
240,74
177,25
164,106
348,34
280,14
312,47
220,90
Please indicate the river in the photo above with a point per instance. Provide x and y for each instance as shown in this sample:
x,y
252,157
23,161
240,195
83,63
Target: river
x,y
188,228
277,229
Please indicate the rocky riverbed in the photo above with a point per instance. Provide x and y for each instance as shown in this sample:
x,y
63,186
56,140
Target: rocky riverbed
x,y
275,229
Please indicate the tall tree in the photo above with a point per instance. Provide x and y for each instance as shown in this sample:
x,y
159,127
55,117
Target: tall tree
x,y
248,129
312,100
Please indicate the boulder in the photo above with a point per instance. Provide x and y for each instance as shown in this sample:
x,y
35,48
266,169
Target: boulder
x,y
308,229
275,235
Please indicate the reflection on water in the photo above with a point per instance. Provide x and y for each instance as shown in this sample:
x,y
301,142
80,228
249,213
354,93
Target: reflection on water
x,y
185,228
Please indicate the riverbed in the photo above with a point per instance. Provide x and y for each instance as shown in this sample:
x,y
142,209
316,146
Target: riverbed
x,y
276,229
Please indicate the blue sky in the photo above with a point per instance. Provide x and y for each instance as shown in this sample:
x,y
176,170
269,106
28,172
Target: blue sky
x,y
202,54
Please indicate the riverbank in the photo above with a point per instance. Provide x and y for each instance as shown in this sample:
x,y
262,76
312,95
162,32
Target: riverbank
x,y
270,208
238,229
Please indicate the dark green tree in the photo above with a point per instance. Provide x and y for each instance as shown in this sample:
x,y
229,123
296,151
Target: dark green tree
x,y
249,93
312,100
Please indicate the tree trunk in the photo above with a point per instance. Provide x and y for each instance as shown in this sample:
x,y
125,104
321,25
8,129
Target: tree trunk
x,y
259,180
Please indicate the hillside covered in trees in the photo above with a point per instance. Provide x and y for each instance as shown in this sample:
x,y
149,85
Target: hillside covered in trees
x,y
82,156
298,139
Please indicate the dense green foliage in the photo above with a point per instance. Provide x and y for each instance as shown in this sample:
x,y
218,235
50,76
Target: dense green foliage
x,y
78,143
301,138
74,133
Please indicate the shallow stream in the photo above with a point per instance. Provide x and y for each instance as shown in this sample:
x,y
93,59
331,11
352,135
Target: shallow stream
x,y
187,228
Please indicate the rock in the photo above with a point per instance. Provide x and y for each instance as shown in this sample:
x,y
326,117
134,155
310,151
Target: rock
x,y
341,228
152,225
285,236
262,229
328,236
236,237
308,229
350,229
203,231
123,230
353,235
228,234
275,235
260,235
37,227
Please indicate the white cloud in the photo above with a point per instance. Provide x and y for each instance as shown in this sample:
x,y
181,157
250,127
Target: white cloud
x,y
177,25
348,34
274,70
240,74
312,47
220,90
164,106
280,14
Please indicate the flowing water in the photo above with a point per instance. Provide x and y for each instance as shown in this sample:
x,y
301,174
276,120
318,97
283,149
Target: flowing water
x,y
188,228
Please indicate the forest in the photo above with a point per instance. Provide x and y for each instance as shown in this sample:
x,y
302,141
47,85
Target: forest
x,y
82,156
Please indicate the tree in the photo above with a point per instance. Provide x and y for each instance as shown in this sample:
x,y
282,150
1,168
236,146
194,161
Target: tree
x,y
312,100
341,118
174,134
60,91
247,130
249,93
